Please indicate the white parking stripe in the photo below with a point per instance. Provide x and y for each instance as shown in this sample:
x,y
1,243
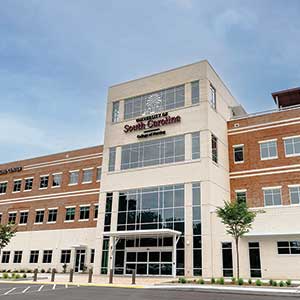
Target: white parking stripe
x,y
9,291
24,291
66,286
54,286
40,288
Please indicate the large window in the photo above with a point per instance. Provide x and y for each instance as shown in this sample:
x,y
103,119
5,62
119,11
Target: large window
x,y
28,184
268,149
112,159
115,111
195,92
44,180
17,257
65,257
292,146
195,145
154,102
151,153
87,176
73,177
272,196
197,243
295,194
3,187
12,217
288,247
17,185
47,256
108,210
56,180
84,213
39,216
23,217
254,258
227,259
34,257
214,148
5,257
213,97
52,215
238,152
70,214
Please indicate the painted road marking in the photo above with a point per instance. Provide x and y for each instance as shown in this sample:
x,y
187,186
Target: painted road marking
x,y
40,288
54,286
9,291
25,290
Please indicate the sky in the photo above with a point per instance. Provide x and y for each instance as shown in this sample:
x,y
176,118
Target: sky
x,y
58,58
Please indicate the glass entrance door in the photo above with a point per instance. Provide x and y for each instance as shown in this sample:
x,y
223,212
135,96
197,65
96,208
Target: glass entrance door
x,y
79,260
149,262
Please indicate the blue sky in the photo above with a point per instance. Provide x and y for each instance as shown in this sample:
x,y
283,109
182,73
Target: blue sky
x,y
58,57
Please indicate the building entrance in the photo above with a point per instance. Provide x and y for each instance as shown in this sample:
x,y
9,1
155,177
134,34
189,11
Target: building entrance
x,y
80,260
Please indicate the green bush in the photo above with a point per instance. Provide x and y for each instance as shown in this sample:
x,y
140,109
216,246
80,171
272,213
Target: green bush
x,y
5,276
13,275
258,282
18,276
200,281
221,281
182,280
288,282
213,280
24,275
271,282
240,281
274,283
233,280
249,281
281,283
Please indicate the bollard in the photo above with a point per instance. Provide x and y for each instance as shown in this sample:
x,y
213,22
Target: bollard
x,y
133,277
111,276
35,273
71,275
90,275
53,275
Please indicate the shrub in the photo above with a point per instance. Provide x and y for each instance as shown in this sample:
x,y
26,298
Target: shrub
x,y
8,271
221,281
233,280
271,282
182,280
5,276
22,271
18,276
24,275
274,283
281,283
213,280
249,281
240,281
13,275
29,271
42,270
258,282
288,282
200,281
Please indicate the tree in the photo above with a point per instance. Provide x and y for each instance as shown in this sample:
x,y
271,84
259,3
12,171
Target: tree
x,y
7,231
238,220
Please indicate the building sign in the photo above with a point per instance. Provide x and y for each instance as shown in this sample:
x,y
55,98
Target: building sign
x,y
151,125
10,170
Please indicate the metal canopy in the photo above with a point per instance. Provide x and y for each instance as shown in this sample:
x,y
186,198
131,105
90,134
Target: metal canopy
x,y
134,233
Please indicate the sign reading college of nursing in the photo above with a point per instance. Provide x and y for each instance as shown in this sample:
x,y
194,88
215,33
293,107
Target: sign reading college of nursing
x,y
151,125
10,170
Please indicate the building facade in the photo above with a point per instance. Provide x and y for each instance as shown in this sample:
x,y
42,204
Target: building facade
x,y
176,146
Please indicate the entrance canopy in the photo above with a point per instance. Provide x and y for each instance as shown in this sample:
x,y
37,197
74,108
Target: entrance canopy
x,y
146,233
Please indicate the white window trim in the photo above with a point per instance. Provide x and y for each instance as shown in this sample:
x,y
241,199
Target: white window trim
x,y
86,182
50,208
4,181
294,185
21,211
291,137
83,220
272,187
240,191
55,186
51,222
40,209
85,205
69,221
38,223
12,212
73,171
290,198
71,206
44,175
86,169
237,146
28,178
57,173
71,184
266,141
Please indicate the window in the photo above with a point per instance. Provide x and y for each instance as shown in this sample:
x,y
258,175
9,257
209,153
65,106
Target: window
x,y
84,213
108,209
288,247
18,257
44,180
195,145
241,196
28,184
52,215
272,196
17,185
213,97
99,173
154,102
292,146
56,180
47,256
112,159
12,217
214,148
254,257
195,92
73,177
150,153
96,209
268,149
5,257
115,111
23,217
227,259
34,257
65,257
87,176
92,256
294,194
39,216
238,151
3,187
70,214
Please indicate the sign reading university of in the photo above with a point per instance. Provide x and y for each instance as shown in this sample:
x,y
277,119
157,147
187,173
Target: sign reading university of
x,y
10,170
151,125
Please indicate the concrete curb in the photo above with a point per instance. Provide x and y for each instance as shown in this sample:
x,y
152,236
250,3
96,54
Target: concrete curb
x,y
295,292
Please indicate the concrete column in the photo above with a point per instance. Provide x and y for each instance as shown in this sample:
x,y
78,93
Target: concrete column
x,y
188,94
118,158
174,256
188,230
188,146
121,111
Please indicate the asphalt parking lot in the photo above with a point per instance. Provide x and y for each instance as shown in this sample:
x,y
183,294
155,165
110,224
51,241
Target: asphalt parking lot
x,y
68,292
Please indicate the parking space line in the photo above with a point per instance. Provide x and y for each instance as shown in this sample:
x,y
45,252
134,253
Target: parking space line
x,y
25,290
9,291
66,286
40,288
54,286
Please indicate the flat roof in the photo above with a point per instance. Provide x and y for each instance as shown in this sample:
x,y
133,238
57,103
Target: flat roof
x,y
150,232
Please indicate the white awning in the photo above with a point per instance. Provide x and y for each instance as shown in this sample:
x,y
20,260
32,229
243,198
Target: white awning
x,y
150,232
